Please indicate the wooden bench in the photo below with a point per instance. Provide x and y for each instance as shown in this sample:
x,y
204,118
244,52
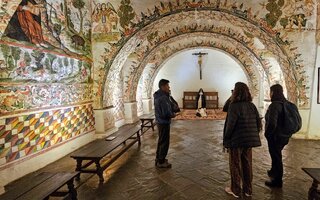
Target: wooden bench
x,y
147,121
95,151
42,186
314,193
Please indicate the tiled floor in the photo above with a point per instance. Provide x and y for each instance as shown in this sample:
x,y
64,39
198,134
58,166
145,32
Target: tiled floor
x,y
200,168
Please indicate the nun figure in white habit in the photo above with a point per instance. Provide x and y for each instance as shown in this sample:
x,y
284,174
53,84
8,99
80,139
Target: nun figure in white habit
x,y
201,104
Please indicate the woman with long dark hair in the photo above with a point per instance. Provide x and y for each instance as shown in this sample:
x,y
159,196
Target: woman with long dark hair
x,y
241,134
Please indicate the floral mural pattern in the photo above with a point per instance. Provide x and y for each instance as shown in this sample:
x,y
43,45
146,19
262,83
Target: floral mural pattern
x,y
274,26
22,97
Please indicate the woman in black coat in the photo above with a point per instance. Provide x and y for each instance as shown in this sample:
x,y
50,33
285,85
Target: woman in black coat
x,y
273,130
241,133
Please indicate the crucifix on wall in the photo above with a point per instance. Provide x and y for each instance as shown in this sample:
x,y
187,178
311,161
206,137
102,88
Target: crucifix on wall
x,y
200,54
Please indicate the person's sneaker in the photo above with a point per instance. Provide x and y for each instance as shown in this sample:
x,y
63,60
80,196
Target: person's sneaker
x,y
163,165
229,191
248,195
273,184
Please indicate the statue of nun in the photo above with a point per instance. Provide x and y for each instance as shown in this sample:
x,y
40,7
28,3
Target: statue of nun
x,y
201,104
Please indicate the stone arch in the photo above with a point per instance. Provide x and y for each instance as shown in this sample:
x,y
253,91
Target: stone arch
x,y
253,66
151,72
274,45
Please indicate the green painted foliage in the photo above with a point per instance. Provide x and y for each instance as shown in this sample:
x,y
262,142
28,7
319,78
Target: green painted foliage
x,y
79,4
66,61
126,13
274,8
27,58
284,22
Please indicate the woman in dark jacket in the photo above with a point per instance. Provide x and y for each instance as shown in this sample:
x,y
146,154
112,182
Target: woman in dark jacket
x,y
241,133
273,129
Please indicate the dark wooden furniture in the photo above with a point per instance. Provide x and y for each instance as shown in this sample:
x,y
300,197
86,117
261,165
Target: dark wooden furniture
x,y
314,193
42,186
190,100
147,121
93,152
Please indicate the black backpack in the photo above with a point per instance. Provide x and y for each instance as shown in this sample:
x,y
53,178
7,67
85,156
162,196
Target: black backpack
x,y
292,119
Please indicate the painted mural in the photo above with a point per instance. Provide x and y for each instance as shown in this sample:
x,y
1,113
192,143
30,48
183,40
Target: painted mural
x,y
45,54
272,29
26,97
25,65
58,26
45,65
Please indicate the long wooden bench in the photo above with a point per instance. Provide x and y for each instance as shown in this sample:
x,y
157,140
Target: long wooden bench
x,y
42,186
314,193
94,152
147,121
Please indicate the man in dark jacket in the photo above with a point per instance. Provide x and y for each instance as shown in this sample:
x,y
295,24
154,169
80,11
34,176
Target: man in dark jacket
x,y
163,113
273,129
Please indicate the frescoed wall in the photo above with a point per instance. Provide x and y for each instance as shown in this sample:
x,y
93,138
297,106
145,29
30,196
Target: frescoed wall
x,y
280,34
263,26
45,75
106,53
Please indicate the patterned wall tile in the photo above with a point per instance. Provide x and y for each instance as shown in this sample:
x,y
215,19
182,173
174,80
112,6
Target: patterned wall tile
x,y
24,135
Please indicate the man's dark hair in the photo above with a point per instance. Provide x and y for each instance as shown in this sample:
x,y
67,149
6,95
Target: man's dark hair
x,y
163,82
241,93
277,93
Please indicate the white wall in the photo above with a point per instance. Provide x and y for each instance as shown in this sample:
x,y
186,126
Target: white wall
x,y
220,73
314,125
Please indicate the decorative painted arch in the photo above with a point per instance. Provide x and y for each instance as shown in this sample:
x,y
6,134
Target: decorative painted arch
x,y
150,72
250,61
224,21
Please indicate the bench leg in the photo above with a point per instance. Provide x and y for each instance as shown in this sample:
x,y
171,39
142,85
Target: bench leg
x,y
78,168
313,191
138,137
72,190
142,126
99,171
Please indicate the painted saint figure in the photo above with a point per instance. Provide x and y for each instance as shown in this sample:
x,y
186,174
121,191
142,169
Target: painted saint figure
x,y
25,25
106,16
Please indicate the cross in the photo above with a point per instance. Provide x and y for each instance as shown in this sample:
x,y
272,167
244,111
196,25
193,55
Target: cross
x,y
200,54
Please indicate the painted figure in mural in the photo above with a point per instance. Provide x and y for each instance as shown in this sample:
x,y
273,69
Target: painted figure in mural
x,y
26,23
106,16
